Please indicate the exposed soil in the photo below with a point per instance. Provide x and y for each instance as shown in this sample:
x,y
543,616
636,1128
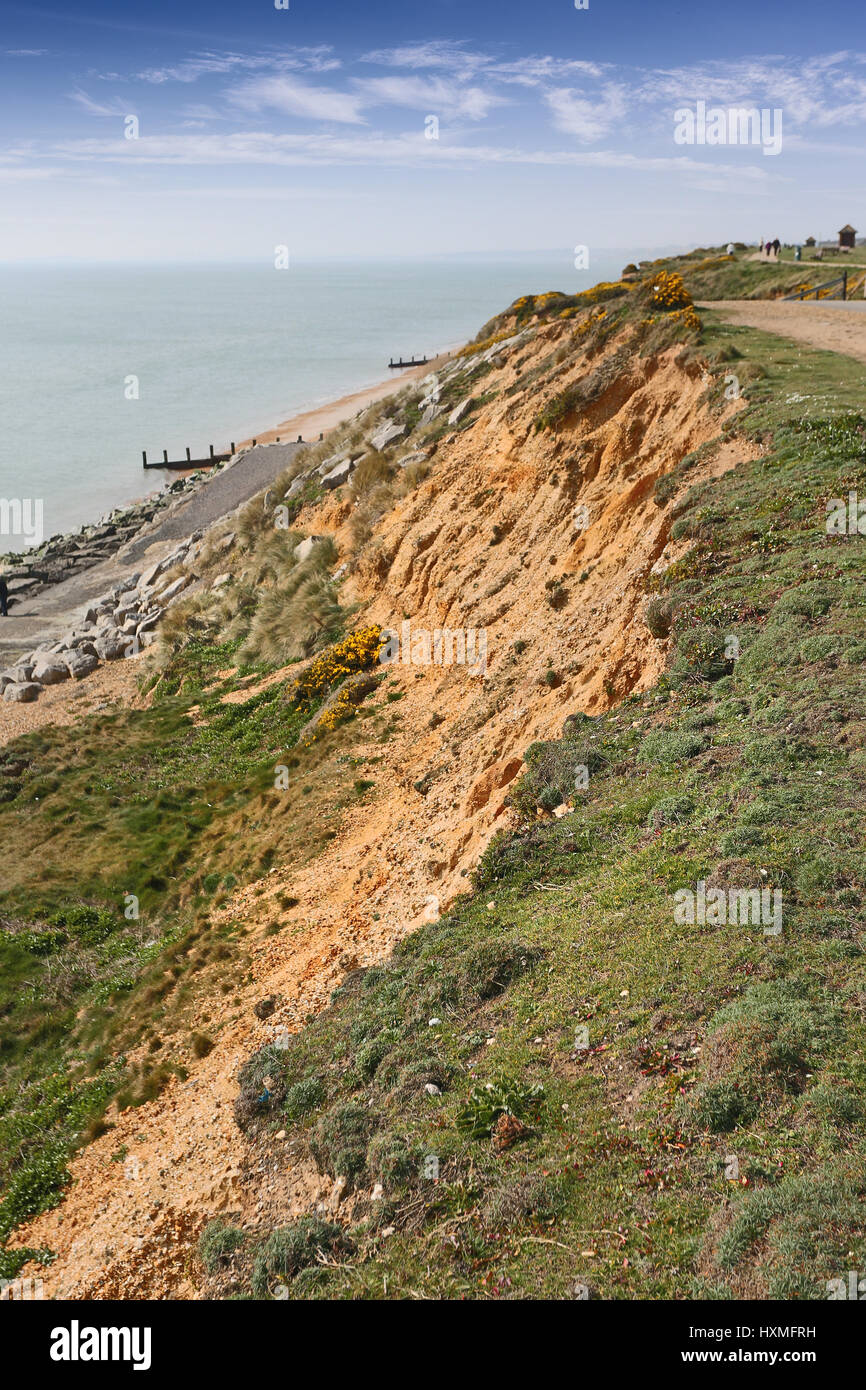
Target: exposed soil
x,y
114,683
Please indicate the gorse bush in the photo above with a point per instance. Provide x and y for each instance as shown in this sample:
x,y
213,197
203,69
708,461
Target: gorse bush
x,y
666,289
353,654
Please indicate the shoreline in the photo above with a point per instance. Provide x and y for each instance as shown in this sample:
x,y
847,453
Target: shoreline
x,y
320,419
307,425
48,584
332,413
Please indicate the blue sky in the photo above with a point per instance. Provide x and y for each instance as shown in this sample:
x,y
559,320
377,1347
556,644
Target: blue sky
x,y
310,126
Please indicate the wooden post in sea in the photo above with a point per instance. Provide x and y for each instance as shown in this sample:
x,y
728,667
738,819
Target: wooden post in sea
x,y
165,455
187,454
233,446
211,451
144,457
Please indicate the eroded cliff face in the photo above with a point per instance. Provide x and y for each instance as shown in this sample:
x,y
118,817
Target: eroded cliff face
x,y
542,540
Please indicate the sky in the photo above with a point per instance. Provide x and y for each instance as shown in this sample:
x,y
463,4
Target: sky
x,y
207,130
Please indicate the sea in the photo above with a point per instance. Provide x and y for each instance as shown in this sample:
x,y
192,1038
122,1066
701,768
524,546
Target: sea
x,y
101,362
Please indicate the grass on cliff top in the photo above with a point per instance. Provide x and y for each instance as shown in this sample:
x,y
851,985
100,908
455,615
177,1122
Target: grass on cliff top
x,y
562,1089
709,273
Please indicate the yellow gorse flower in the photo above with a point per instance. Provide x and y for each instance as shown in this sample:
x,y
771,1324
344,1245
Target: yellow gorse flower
x,y
669,291
355,653
471,348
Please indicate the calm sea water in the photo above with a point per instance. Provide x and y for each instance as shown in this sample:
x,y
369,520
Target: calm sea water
x,y
220,352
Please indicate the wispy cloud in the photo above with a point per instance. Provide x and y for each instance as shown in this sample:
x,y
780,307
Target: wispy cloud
x,y
436,53
823,91
588,118
465,65
265,148
297,99
98,108
429,94
532,72
208,64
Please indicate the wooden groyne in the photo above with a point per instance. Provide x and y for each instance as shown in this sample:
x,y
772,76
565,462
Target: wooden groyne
x,y
209,462
188,462
415,362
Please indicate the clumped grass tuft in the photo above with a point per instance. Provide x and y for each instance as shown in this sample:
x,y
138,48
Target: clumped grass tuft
x,y
217,1243
290,1249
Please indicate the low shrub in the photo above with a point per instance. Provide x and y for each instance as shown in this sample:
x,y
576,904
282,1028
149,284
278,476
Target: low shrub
x,y
340,1140
217,1244
668,746
289,1249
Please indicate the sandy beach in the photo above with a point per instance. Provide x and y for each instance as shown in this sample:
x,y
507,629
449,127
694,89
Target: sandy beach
x,y
311,423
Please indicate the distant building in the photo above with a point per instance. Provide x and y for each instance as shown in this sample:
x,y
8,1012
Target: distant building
x,y
810,241
847,235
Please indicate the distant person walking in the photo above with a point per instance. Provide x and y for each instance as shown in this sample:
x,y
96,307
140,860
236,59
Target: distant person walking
x,y
777,246
4,597
768,248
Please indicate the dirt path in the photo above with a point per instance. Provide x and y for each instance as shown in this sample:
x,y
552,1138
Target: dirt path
x,y
836,325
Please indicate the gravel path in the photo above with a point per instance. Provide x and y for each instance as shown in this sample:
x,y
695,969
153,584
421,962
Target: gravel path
x,y
222,494
835,324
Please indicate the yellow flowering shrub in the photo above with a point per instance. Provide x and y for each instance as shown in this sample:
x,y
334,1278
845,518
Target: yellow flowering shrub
x,y
471,348
589,322
688,318
712,262
355,653
342,709
605,289
668,291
